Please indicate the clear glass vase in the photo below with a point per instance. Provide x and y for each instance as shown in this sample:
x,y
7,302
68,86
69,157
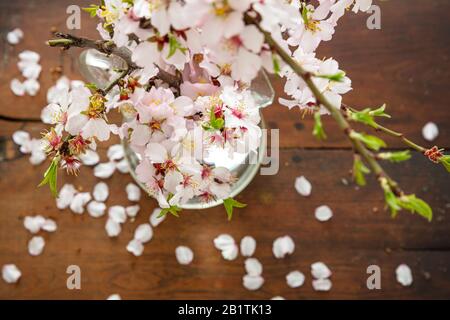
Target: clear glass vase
x,y
98,68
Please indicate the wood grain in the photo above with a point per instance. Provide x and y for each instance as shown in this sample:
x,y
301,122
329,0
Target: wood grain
x,y
405,64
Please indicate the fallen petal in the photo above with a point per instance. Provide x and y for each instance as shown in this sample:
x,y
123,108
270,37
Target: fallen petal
x,y
112,228
65,196
430,131
295,279
230,253
36,245
404,275
322,284
96,209
30,56
17,87
117,214
132,211
49,225
278,298
104,170
154,220
101,192
10,273
224,241
319,270
133,192
253,267
21,137
283,246
79,201
323,213
114,296
90,158
248,246
32,86
184,255
303,186
115,152
143,233
33,224
123,166
135,247
252,282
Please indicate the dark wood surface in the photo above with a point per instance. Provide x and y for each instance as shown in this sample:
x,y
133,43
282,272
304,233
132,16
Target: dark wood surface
x,y
405,64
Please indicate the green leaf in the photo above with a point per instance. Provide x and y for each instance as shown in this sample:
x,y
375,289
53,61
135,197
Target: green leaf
x,y
416,205
51,177
174,45
359,171
229,204
173,210
276,64
370,141
337,77
379,112
305,14
390,198
318,130
91,86
445,160
367,115
92,10
398,156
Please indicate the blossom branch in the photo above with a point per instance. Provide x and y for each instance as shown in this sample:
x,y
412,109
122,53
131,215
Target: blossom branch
x,y
395,198
67,41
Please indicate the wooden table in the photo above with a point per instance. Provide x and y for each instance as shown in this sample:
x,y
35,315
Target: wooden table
x,y
405,64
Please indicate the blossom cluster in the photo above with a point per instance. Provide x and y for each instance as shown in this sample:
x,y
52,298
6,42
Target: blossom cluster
x,y
215,48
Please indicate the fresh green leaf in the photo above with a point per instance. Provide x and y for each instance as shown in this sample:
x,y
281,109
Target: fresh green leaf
x,y
91,86
276,64
367,115
229,204
397,156
318,130
51,177
445,160
174,45
337,77
92,10
416,205
370,141
390,198
173,210
379,112
359,171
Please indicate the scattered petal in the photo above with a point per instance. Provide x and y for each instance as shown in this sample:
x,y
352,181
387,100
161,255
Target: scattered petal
x,y
65,196
31,86
404,275
184,255
230,253
90,158
112,228
123,166
278,298
117,214
49,225
319,270
114,296
154,220
283,246
36,245
323,213
115,152
253,267
430,131
17,87
248,246
135,247
10,273
96,209
33,224
132,211
295,279
104,170
303,186
252,282
21,137
31,71
29,56
79,201
101,192
143,233
322,284
224,241
14,37
133,192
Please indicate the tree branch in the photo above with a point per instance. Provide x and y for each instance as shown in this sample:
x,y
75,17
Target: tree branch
x,y
67,41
